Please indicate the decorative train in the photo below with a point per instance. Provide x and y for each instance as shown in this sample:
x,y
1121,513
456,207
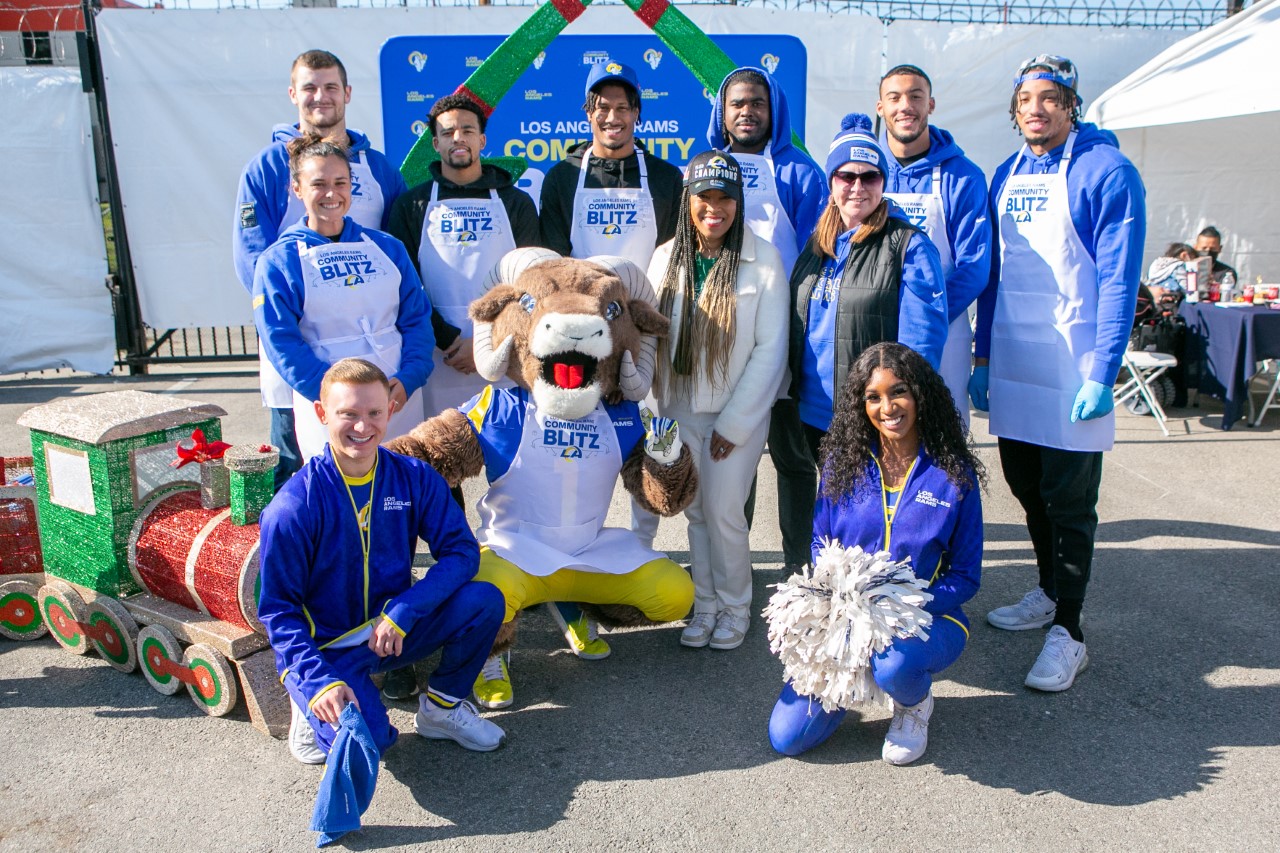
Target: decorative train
x,y
132,530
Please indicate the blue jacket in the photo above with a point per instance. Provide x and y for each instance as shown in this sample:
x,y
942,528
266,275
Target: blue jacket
x,y
314,590
802,187
964,198
278,303
263,199
937,524
1109,211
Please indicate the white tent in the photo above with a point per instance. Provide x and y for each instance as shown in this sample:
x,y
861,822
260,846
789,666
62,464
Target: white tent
x,y
1199,121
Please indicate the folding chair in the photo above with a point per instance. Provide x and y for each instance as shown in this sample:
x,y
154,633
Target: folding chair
x,y
1144,367
1269,402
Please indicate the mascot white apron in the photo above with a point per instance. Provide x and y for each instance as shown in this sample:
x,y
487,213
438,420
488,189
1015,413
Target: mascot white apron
x,y
925,210
462,239
765,214
350,314
366,210
614,221
1046,318
578,460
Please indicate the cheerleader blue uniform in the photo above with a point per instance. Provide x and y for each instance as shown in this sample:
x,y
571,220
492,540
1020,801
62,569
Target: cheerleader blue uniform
x,y
939,526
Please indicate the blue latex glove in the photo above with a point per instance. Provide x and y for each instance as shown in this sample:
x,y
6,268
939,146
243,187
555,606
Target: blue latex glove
x,y
979,387
1093,400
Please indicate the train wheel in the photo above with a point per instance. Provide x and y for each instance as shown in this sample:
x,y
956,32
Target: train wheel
x,y
158,654
63,611
19,613
214,687
113,633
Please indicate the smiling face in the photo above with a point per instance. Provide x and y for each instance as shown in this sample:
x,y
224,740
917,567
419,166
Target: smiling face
x,y
747,120
613,121
712,212
905,105
891,408
1043,116
356,418
856,190
321,100
324,186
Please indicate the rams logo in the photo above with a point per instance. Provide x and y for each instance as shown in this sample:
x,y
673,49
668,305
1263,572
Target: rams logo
x,y
539,59
418,128
653,57
418,60
466,237
571,453
611,230
353,281
613,68
717,162
770,62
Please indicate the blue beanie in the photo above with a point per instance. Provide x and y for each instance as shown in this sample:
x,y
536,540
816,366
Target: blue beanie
x,y
855,143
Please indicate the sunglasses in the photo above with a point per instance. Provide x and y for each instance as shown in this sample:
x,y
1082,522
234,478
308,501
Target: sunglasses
x,y
867,179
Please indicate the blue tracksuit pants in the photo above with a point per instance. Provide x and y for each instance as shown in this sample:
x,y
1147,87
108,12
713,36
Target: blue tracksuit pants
x,y
463,627
905,671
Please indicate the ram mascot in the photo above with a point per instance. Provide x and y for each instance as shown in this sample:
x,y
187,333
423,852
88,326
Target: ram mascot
x,y
577,337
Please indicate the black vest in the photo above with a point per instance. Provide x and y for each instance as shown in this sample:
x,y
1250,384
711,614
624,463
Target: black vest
x,y
867,307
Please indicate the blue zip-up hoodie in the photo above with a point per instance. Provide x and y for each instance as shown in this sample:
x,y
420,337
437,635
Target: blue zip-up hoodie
x,y
936,523
1109,211
802,187
964,199
265,195
279,297
314,588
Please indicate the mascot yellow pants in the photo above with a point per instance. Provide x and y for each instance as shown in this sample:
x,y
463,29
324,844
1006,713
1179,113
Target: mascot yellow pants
x,y
660,589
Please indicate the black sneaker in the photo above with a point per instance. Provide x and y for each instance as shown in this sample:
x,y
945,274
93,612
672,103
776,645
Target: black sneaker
x,y
400,684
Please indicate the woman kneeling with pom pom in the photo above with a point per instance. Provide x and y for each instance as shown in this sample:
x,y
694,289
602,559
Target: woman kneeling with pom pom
x,y
898,476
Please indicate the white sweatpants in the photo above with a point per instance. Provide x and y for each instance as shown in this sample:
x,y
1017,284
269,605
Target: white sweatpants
x,y
719,545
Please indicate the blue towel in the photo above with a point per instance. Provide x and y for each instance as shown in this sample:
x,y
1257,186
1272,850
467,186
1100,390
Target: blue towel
x,y
350,775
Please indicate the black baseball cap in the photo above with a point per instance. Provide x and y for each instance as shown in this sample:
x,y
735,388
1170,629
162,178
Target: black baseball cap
x,y
714,170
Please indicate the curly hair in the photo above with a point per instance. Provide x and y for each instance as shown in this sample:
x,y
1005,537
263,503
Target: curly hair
x,y
850,444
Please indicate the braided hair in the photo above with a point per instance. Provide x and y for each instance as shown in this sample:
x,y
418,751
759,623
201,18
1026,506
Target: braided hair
x,y
851,442
708,323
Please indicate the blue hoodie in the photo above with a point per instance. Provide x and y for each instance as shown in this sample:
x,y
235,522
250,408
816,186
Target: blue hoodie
x,y
964,199
265,203
279,300
1108,207
802,187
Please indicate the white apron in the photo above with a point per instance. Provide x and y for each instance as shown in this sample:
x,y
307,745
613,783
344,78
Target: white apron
x,y
1046,317
462,239
350,305
764,212
548,511
925,210
614,221
366,210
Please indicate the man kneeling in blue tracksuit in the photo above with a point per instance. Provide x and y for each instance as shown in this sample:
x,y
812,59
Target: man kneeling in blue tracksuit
x,y
338,599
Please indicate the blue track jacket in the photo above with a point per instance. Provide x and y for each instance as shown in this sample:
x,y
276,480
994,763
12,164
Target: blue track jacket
x,y
262,200
964,198
937,524
1109,209
314,587
801,185
279,299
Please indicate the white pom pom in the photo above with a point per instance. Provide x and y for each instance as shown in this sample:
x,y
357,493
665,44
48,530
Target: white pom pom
x,y
826,626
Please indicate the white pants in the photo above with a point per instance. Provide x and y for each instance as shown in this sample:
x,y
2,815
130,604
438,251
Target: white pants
x,y
719,546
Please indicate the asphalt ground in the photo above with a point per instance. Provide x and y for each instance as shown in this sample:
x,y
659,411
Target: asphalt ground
x,y
1170,740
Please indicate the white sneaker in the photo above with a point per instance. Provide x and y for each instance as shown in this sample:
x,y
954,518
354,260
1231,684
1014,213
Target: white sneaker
x,y
302,738
461,724
698,632
1035,610
730,631
908,732
1060,661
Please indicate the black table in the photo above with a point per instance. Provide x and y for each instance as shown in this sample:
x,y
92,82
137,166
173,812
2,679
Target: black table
x,y
1223,348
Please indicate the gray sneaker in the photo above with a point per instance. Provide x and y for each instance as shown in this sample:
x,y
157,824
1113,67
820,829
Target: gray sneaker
x,y
730,631
1060,661
461,724
697,633
1035,610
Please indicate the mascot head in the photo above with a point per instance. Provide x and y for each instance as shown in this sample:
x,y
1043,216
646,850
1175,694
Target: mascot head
x,y
570,331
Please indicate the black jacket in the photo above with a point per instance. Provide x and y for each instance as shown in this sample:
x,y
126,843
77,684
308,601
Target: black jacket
x,y
410,211
666,183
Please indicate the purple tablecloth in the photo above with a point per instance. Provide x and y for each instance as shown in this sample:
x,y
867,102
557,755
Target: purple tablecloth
x,y
1223,346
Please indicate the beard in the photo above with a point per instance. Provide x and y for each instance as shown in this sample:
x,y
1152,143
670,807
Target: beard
x,y
461,159
751,140
906,138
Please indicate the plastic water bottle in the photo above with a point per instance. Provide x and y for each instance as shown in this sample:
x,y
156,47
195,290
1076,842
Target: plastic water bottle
x,y
1227,289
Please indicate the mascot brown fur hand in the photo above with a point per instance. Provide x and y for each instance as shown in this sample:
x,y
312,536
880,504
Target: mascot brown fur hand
x,y
579,336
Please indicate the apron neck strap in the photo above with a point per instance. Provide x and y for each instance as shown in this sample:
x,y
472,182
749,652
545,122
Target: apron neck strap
x,y
644,168
937,180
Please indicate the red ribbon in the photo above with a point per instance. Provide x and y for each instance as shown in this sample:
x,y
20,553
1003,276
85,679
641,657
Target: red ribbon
x,y
196,449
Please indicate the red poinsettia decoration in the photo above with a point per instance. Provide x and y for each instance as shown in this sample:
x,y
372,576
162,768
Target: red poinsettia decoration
x,y
197,449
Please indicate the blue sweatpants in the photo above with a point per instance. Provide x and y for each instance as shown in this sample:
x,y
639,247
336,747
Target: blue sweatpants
x,y
905,671
282,435
463,627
